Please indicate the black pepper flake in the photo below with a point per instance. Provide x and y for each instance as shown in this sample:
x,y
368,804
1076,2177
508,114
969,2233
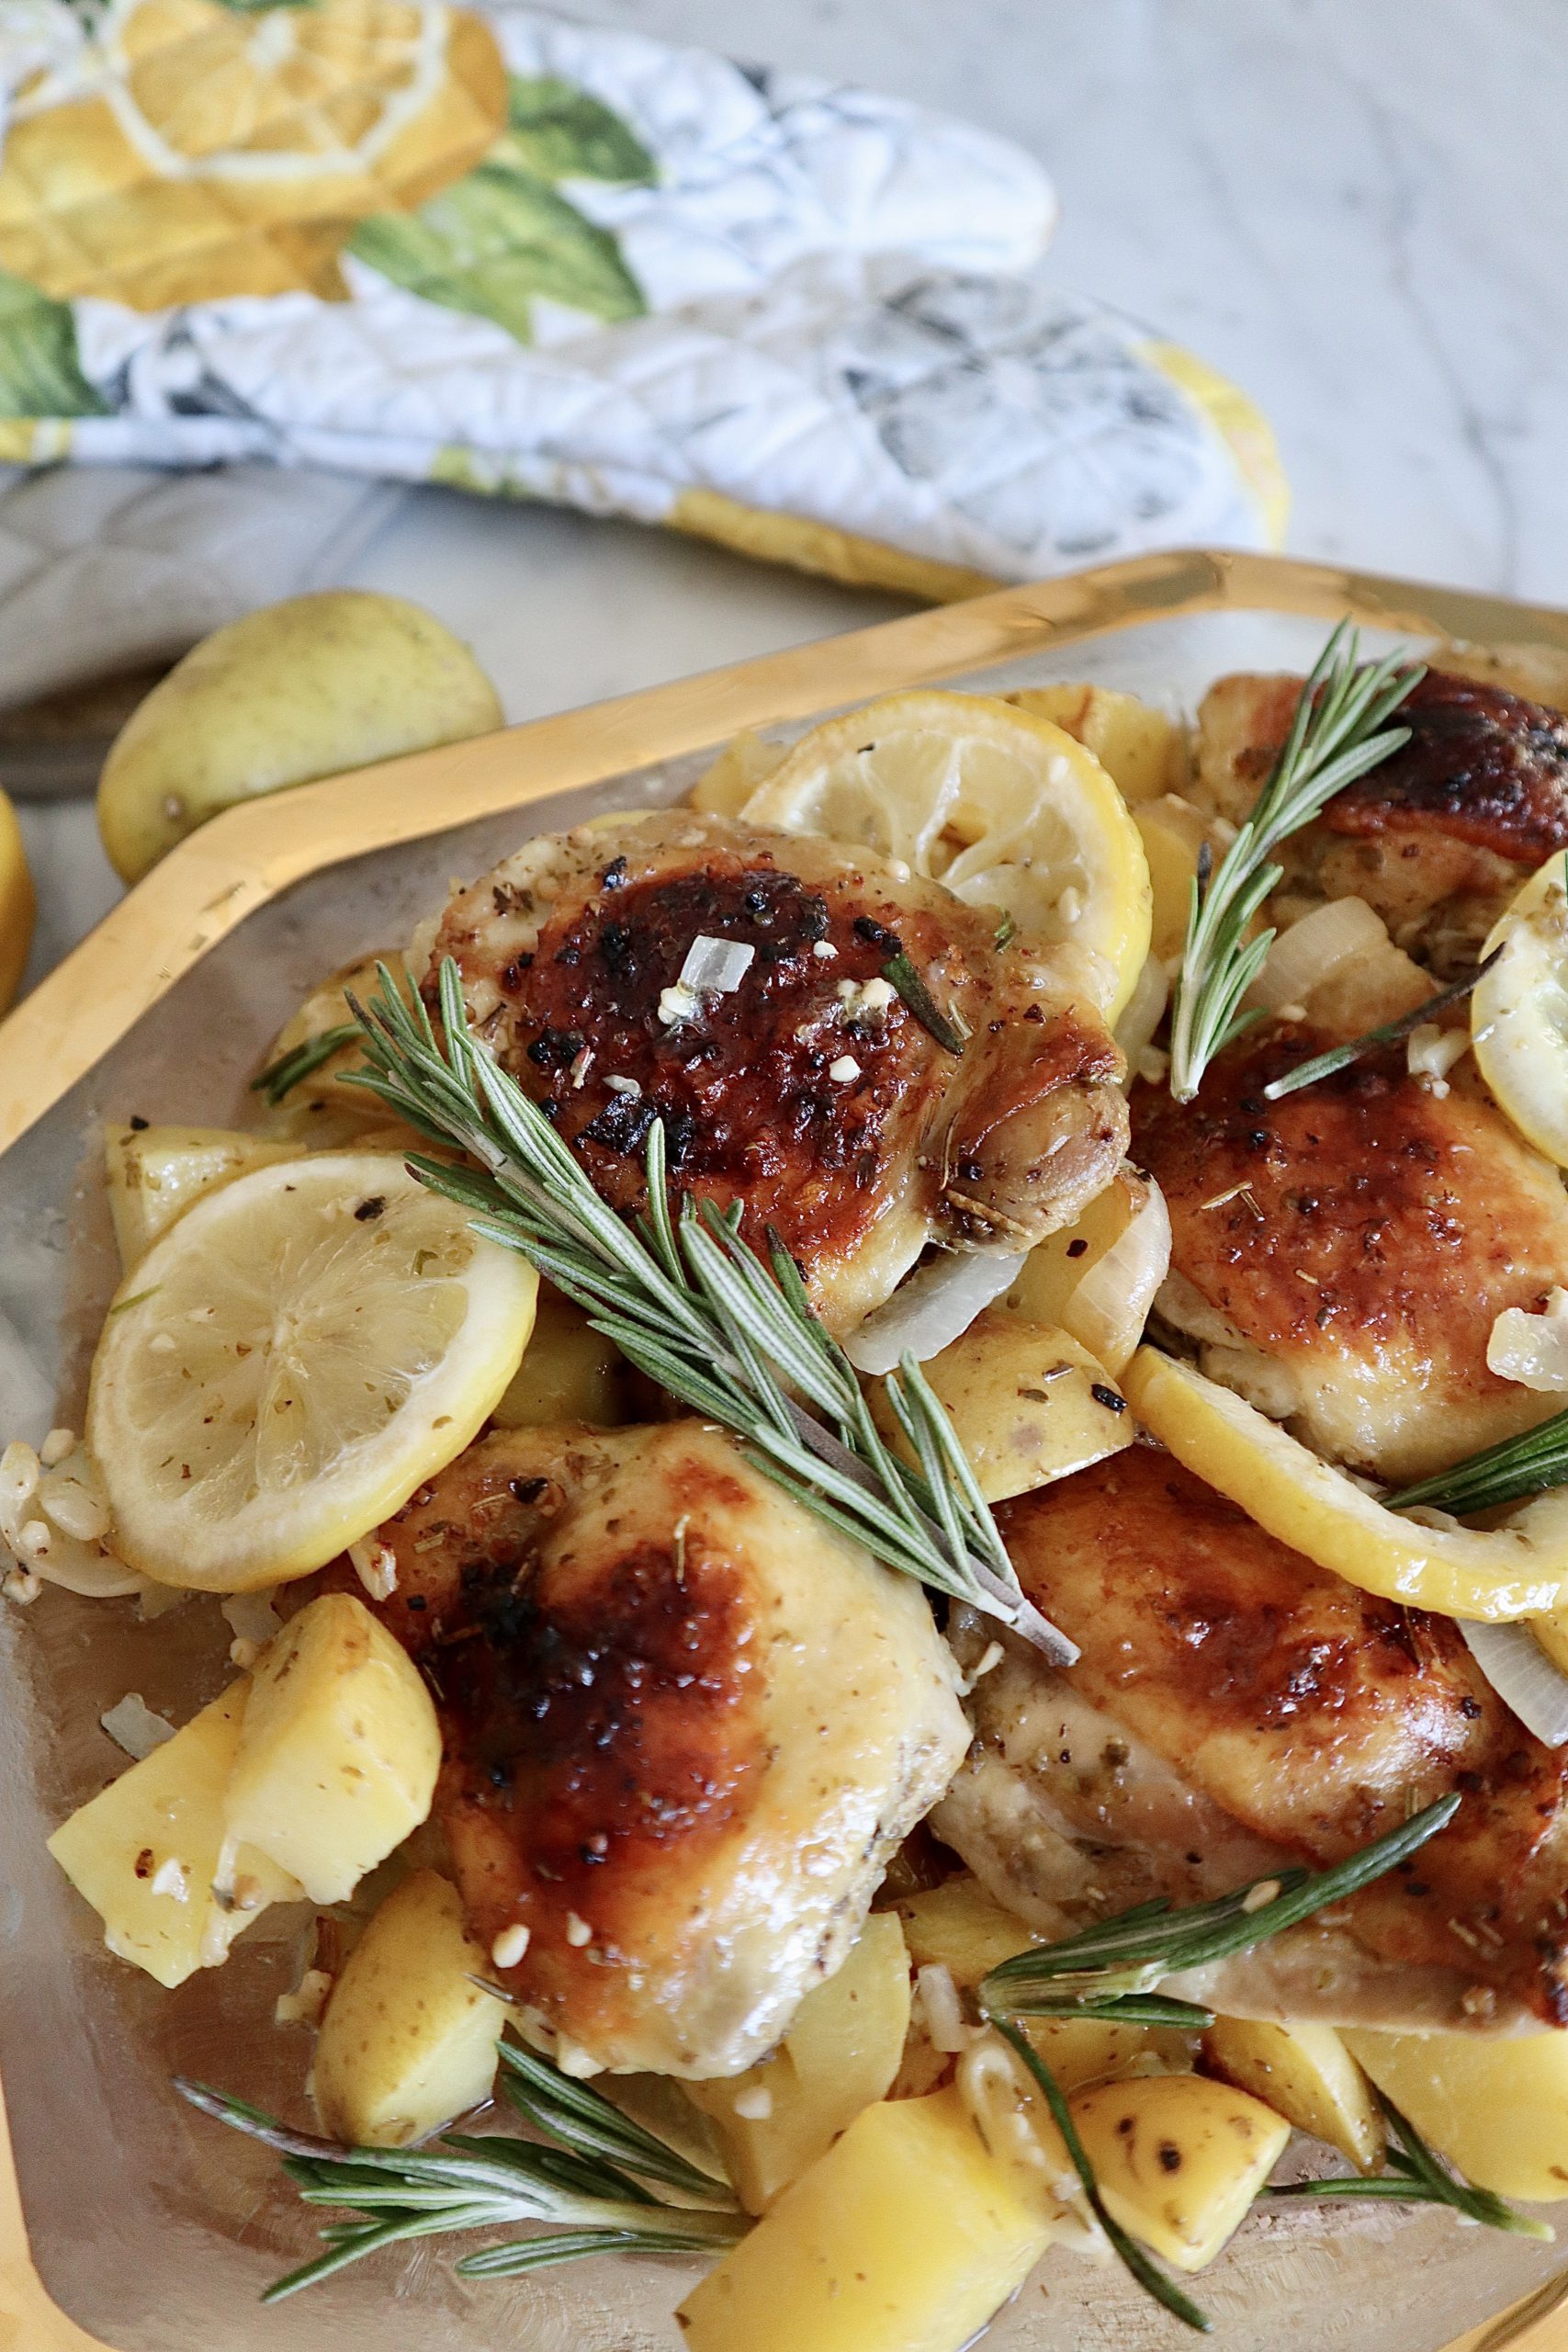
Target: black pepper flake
x,y
137,1124
370,1209
571,953
621,1125
615,875
1076,1249
526,1490
418,1602
616,946
877,934
1108,1398
556,1048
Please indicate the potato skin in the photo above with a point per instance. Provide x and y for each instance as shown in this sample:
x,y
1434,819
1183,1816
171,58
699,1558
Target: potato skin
x,y
1179,2158
301,689
155,1174
408,2041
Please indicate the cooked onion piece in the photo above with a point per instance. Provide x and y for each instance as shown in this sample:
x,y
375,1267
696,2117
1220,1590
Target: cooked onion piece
x,y
1531,1349
931,1309
1523,1678
1314,949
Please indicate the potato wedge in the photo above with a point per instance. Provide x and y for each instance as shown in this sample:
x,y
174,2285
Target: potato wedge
x,y
408,2041
340,1749
1179,2158
905,2237
1174,833
1306,2074
1142,752
568,1372
321,1092
1027,1401
153,1855
957,1926
153,1175
1497,2108
842,2052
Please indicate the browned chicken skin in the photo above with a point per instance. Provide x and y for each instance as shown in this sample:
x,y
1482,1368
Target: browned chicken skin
x,y
1299,1718
1439,836
1361,1234
683,1727
568,949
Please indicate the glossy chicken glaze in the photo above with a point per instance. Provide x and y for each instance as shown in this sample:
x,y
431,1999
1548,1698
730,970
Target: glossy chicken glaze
x,y
1362,1236
1236,1706
1439,836
567,951
683,1728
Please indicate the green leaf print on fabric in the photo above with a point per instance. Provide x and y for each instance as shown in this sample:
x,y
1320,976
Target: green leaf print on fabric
x,y
39,372
498,241
562,133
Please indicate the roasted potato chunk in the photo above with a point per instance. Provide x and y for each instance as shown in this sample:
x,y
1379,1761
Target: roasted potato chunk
x,y
1306,2074
1028,1404
1179,2158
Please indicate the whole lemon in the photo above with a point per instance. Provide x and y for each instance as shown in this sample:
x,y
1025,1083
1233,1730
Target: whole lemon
x,y
297,691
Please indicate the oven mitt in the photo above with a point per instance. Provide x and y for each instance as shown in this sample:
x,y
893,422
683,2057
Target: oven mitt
x,y
412,241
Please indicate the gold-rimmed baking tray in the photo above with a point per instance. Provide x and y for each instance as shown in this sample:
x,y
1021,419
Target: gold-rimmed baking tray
x,y
127,2221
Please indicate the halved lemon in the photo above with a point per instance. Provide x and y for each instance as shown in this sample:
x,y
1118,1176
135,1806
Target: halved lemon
x,y
1519,1569
296,1355
1004,808
1518,1011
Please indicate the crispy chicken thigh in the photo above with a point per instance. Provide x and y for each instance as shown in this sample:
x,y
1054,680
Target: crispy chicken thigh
x,y
1440,837
1236,1708
828,1108
1341,1255
684,1726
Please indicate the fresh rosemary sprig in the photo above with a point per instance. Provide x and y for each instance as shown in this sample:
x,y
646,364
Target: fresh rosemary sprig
x,y
692,1306
1417,2176
289,1070
900,972
590,2188
1508,1472
1088,1974
1147,2273
1339,1057
1338,734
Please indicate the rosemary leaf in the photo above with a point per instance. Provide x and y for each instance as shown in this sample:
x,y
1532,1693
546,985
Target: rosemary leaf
x,y
1417,2176
686,1299
589,2190
1147,2273
900,972
1338,734
289,1070
1339,1057
1508,1472
1133,1952
1005,932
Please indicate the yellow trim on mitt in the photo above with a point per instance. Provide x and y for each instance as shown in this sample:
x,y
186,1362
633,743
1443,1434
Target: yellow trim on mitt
x,y
1242,426
772,537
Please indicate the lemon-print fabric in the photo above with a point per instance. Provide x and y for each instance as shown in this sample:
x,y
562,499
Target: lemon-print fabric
x,y
534,259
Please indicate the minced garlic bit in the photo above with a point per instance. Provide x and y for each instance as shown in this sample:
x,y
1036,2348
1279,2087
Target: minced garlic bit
x,y
509,1946
1069,905
942,2008
21,1585
753,2105
305,2005
992,1654
577,1932
243,1653
844,1070
825,950
169,1878
865,999
715,967
573,2060
1531,1350
132,1724
376,1566
1259,1897
1430,1053
677,1004
629,1087
56,1446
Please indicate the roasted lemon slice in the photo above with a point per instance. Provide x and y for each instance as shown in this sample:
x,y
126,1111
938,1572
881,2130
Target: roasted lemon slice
x,y
1519,1569
1004,808
290,1362
1518,1011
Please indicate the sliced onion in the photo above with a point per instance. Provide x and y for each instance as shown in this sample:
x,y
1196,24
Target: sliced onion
x,y
1523,1677
1108,1310
132,1724
1531,1349
1313,950
931,1309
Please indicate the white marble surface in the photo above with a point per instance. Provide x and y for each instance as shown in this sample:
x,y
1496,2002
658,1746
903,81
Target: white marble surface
x,y
1358,209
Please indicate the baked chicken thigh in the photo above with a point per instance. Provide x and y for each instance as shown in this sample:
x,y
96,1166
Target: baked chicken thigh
x,y
1438,838
1237,1709
809,1088
684,1725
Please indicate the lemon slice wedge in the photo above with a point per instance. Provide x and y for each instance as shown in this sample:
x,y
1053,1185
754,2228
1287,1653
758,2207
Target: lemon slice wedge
x,y
290,1362
1518,1011
1004,808
1519,1569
